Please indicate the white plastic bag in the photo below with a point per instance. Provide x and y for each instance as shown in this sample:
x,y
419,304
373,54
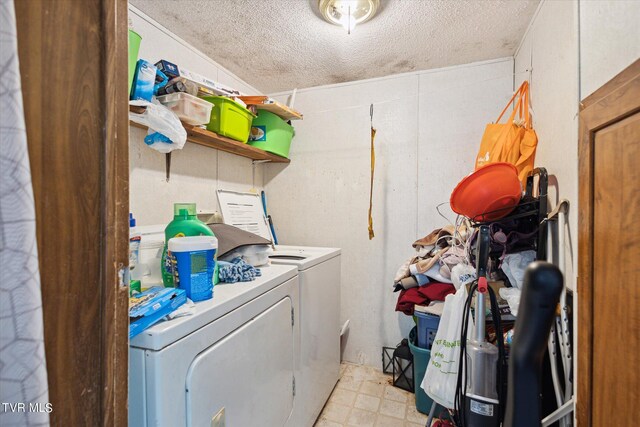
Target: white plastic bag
x,y
160,119
514,266
512,296
462,274
440,379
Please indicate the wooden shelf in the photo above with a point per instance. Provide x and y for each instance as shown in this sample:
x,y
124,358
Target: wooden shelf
x,y
213,140
268,104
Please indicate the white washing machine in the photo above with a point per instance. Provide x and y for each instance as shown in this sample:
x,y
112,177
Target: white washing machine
x,y
319,277
237,355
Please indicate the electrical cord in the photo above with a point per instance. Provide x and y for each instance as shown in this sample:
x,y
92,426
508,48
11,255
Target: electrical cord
x,y
502,360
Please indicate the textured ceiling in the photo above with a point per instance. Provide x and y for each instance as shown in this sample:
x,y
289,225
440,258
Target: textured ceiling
x,y
277,45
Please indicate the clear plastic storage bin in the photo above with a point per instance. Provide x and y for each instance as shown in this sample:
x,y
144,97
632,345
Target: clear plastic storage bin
x,y
189,108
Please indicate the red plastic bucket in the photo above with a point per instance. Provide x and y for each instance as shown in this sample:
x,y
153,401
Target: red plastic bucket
x,y
489,193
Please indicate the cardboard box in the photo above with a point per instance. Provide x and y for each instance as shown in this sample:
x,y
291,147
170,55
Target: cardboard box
x,y
168,68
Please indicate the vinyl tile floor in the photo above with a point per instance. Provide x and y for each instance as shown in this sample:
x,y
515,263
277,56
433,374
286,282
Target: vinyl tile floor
x,y
365,397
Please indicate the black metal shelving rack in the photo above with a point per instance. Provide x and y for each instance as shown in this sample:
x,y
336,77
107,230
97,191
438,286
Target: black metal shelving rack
x,y
532,208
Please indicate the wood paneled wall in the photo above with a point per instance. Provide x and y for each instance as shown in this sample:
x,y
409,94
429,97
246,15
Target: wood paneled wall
x,y
73,63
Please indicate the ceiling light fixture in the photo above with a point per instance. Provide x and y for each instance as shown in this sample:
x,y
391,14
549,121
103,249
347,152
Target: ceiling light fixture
x,y
348,13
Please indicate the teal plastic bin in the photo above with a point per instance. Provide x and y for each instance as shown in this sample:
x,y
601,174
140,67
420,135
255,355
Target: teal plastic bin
x,y
421,358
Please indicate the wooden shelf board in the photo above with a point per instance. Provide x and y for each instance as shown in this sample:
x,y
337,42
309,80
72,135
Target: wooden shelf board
x,y
213,140
209,139
276,108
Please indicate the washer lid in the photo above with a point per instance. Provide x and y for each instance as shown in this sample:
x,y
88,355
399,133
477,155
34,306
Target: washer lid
x,y
302,256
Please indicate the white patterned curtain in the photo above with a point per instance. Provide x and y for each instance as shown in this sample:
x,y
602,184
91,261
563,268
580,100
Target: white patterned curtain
x,y
23,370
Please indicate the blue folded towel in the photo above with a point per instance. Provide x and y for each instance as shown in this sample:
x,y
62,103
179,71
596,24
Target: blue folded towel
x,y
237,271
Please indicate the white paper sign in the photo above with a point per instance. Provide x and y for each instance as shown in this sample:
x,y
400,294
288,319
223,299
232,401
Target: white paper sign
x,y
245,211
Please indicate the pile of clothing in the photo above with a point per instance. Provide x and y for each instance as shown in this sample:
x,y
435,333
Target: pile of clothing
x,y
439,267
442,263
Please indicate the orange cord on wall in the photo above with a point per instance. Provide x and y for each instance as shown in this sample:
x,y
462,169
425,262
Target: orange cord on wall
x,y
373,166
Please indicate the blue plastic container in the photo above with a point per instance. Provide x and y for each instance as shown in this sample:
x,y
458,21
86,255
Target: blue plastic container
x,y
144,81
427,327
193,265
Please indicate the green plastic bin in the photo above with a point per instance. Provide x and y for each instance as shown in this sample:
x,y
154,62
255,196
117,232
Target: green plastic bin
x,y
421,358
270,133
134,47
228,118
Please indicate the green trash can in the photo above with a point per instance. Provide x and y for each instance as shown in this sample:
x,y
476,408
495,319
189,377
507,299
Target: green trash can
x,y
270,133
134,47
421,358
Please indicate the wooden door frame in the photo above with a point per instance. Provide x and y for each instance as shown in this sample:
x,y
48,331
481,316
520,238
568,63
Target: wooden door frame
x,y
616,100
87,385
115,232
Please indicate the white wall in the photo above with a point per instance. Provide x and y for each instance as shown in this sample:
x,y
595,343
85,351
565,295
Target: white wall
x,y
572,48
609,41
196,171
429,128
550,50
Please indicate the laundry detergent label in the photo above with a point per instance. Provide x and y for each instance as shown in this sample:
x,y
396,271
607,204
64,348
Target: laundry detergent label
x,y
480,408
193,271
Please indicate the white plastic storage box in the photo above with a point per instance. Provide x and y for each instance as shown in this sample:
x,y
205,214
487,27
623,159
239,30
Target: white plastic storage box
x,y
190,109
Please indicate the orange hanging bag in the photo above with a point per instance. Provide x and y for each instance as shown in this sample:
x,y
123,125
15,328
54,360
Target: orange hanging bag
x,y
513,142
